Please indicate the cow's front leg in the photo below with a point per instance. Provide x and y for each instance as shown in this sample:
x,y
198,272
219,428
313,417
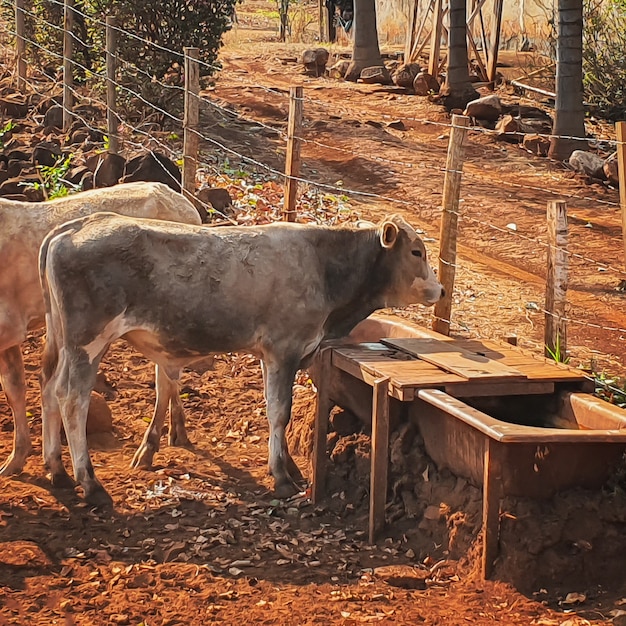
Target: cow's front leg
x,y
76,380
278,378
14,386
165,388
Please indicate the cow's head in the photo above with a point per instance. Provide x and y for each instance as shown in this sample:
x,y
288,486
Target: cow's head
x,y
414,280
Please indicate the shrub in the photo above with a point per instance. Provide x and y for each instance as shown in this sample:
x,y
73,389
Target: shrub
x,y
604,57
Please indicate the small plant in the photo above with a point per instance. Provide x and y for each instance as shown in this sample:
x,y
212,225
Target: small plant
x,y
8,127
53,183
557,354
610,389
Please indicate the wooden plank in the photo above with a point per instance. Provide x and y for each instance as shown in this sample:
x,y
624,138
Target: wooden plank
x,y
379,457
483,388
320,430
453,358
492,494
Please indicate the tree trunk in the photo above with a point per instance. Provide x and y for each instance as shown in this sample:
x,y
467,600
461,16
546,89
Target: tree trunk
x,y
569,116
365,49
457,90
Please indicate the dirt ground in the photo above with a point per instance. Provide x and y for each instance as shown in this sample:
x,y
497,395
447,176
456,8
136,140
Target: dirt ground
x,y
201,540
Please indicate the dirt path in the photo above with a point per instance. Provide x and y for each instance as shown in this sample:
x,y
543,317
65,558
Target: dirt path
x,y
201,540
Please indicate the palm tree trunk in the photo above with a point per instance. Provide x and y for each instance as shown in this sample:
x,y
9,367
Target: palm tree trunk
x,y
365,49
569,117
457,90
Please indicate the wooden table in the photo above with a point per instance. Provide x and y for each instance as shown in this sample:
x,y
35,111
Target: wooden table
x,y
401,367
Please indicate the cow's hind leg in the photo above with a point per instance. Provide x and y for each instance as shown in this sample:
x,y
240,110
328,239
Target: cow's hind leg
x,y
278,378
178,433
76,378
166,389
14,386
51,425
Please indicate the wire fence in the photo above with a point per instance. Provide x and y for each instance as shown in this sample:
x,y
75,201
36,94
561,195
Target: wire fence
x,y
404,165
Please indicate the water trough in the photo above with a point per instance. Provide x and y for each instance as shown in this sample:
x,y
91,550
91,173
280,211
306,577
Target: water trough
x,y
506,420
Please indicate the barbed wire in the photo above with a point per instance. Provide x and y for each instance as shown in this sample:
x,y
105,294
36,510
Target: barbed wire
x,y
342,190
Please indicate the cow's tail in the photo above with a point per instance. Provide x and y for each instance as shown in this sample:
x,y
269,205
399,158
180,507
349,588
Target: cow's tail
x,y
51,343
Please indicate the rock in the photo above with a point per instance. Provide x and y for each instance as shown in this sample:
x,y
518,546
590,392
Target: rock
x,y
46,153
217,197
377,74
14,105
535,125
15,185
339,69
54,116
16,166
397,125
508,129
99,418
405,75
610,170
403,576
315,60
587,163
79,136
153,166
108,168
425,84
536,144
487,108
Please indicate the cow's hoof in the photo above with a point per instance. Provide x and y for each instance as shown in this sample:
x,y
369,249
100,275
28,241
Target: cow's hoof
x,y
286,490
180,441
62,480
13,465
99,498
143,458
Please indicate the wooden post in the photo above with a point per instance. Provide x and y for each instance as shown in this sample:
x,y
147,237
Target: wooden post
x,y
495,38
112,122
191,119
449,222
435,39
320,432
68,46
492,494
292,164
410,33
379,457
555,337
620,133
20,45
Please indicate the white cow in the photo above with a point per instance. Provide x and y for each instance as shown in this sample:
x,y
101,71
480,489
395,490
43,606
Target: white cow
x,y
180,293
23,226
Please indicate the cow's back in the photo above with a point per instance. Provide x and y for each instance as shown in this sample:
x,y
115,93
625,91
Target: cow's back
x,y
23,226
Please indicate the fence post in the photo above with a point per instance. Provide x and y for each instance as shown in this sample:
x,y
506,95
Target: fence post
x,y
292,161
68,81
112,121
620,134
20,45
555,337
191,119
449,222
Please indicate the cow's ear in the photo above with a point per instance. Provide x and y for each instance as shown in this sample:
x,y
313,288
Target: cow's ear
x,y
388,234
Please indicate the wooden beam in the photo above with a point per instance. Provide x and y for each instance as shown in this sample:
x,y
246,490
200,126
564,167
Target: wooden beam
x,y
620,133
320,430
379,457
492,494
495,39
435,39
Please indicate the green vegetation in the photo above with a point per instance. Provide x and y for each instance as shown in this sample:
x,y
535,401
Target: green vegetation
x,y
604,57
7,128
53,183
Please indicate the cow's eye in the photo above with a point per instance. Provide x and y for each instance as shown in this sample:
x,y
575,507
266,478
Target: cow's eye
x,y
417,253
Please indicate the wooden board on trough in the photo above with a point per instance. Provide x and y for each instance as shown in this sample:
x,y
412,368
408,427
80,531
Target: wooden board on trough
x,y
452,358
